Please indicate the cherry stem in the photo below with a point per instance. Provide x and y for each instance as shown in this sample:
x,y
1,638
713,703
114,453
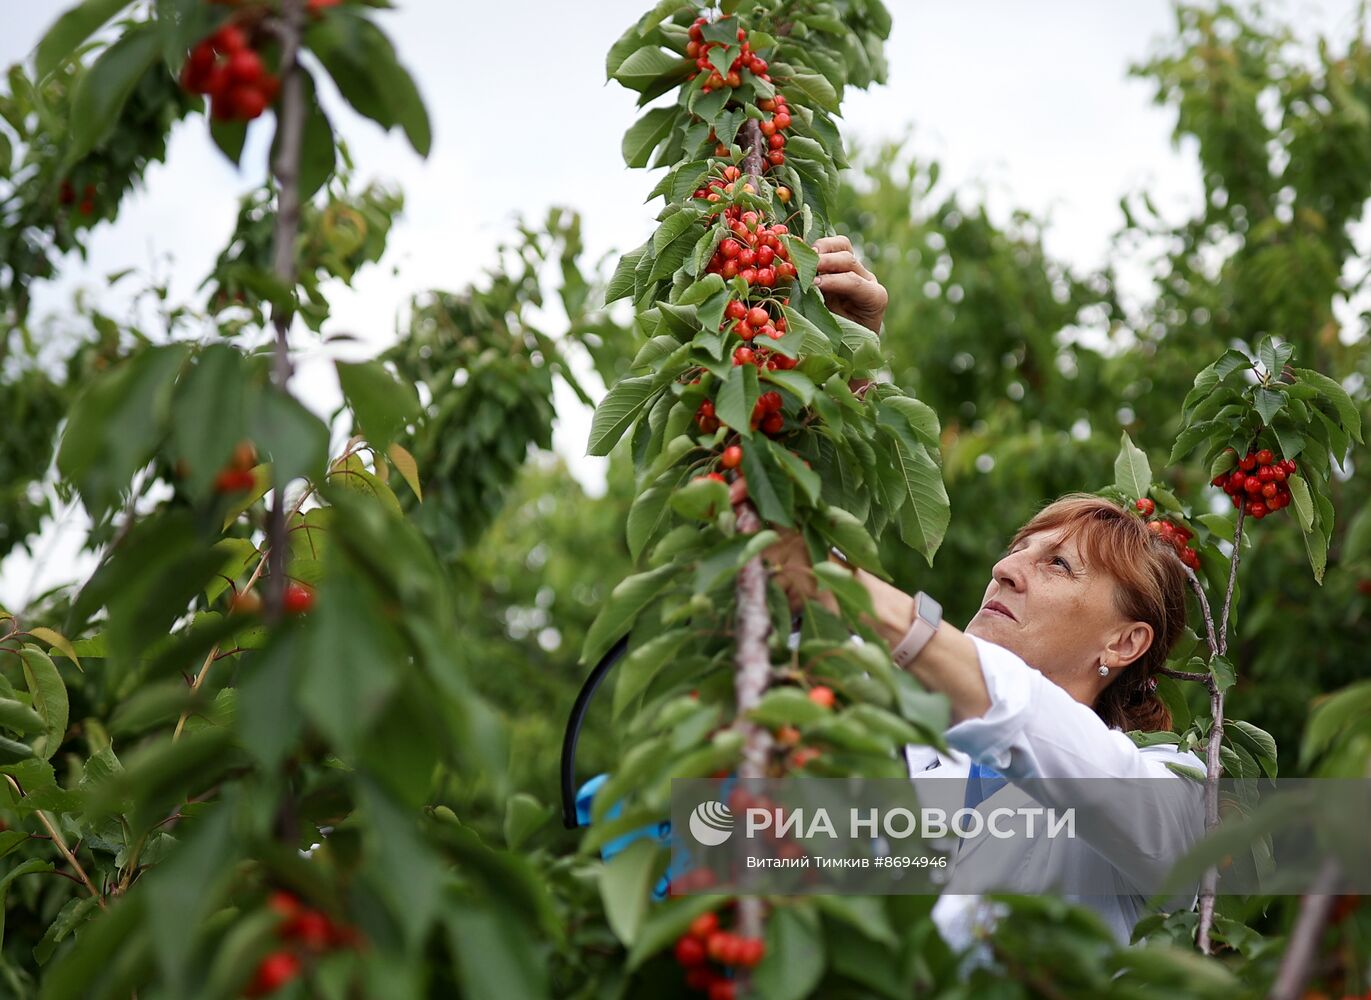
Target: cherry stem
x,y
61,845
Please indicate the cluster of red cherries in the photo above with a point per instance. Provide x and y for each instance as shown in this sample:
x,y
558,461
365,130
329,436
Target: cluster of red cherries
x,y
755,251
698,49
766,416
305,931
705,942
1176,534
1259,483
225,67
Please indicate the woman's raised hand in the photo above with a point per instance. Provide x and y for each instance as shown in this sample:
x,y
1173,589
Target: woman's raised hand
x,y
848,288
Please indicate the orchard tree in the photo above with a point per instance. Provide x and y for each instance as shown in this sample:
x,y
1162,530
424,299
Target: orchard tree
x,y
231,762
708,684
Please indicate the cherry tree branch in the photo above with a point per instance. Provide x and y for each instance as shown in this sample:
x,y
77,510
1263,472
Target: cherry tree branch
x,y
290,130
61,845
754,619
1305,935
1213,763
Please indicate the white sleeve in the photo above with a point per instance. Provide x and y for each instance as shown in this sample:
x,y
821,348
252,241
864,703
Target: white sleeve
x,y
1035,730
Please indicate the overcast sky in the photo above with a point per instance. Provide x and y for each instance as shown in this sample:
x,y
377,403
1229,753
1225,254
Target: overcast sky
x,y
1029,101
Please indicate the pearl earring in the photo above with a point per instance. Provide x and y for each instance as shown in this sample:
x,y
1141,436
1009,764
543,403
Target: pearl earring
x,y
1104,670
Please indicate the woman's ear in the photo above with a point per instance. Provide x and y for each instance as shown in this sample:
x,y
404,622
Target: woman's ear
x,y
1131,643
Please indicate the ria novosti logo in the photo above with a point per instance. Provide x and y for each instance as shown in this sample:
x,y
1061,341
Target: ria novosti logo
x,y
711,823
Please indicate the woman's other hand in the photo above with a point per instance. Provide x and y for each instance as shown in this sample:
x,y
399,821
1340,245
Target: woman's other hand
x,y
848,288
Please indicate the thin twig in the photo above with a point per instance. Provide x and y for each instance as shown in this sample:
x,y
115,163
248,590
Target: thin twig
x,y
1196,586
1184,675
61,845
1305,935
1213,761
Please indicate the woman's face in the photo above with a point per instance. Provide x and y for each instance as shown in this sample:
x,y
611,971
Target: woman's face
x,y
1045,603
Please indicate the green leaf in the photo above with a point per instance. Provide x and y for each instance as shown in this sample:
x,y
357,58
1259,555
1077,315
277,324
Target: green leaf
x,y
618,410
71,29
1132,474
768,488
805,258
815,88
116,424
924,519
382,403
289,435
666,922
849,534
58,642
854,598
622,283
1230,362
1268,403
787,706
19,717
626,602
363,64
49,696
625,887
407,467
524,815
1347,411
647,134
104,89
650,64
1224,675
737,398
641,665
209,412
318,152
1302,502
31,866
701,499
794,961
866,914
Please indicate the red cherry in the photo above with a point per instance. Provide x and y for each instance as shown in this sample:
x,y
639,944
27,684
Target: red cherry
x,y
732,457
234,481
758,65
1264,457
228,40
1156,527
775,157
273,972
776,141
245,67
248,102
1191,558
773,424
736,310
747,257
767,104
723,989
733,80
770,401
1269,490
754,951
822,696
298,598
704,925
749,275
768,127
744,330
758,316
311,928
1248,463
744,356
1221,480
730,249
765,255
689,952
782,119
284,903
1145,506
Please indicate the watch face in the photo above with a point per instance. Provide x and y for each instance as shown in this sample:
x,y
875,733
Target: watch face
x,y
930,610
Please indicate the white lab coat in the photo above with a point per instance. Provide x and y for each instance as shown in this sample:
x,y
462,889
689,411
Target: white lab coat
x,y
1034,729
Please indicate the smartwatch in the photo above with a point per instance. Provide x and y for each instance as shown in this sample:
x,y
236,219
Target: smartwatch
x,y
928,615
